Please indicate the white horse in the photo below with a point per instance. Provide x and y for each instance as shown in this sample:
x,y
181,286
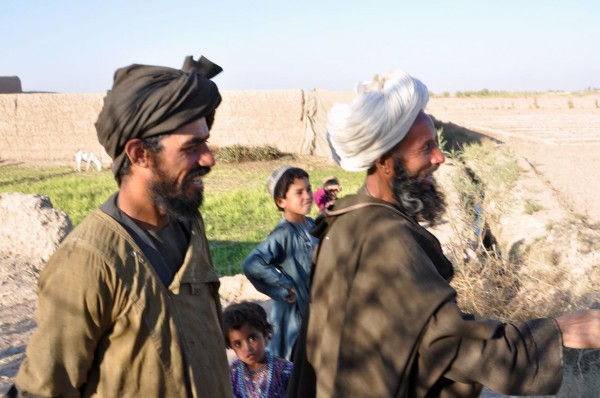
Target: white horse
x,y
89,157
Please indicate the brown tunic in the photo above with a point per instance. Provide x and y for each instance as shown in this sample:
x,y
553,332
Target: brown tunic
x,y
108,327
383,321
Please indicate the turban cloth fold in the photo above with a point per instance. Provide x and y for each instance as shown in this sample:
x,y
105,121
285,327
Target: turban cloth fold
x,y
376,120
147,101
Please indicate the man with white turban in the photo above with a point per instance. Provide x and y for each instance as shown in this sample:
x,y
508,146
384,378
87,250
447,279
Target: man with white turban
x,y
383,319
129,302
376,120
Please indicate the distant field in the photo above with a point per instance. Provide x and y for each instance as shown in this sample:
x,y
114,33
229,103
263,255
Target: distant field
x,y
557,133
550,118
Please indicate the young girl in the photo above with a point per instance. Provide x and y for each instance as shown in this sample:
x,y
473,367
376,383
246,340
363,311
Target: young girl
x,y
256,373
280,266
327,194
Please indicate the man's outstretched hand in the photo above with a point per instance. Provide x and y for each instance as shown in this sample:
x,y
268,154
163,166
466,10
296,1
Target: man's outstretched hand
x,y
580,329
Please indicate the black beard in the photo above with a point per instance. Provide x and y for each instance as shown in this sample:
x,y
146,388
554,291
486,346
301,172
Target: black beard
x,y
171,198
419,200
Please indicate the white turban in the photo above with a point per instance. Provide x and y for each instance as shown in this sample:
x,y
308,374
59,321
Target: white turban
x,y
377,119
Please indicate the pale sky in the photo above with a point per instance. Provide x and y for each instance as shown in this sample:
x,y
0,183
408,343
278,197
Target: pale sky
x,y
513,45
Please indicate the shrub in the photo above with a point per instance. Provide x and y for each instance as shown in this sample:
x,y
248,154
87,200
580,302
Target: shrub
x,y
241,153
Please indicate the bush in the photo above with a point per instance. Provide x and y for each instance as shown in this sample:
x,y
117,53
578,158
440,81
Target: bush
x,y
241,153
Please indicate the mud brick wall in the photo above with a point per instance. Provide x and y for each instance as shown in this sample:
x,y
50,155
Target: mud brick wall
x,y
48,127
254,118
53,127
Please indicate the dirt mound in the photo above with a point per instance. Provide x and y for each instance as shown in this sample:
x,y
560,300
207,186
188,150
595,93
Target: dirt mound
x,y
30,232
31,228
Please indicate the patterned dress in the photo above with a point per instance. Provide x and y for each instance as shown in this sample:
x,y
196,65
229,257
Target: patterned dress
x,y
269,381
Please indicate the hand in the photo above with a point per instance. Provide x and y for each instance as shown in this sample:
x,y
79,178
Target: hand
x,y
580,329
291,297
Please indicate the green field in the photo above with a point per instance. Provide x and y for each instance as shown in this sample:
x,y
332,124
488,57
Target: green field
x,y
238,211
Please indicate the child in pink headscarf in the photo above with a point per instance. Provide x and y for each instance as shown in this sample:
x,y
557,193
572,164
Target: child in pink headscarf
x,y
327,194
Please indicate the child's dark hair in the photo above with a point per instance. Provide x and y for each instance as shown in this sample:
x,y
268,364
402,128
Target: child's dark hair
x,y
246,312
287,179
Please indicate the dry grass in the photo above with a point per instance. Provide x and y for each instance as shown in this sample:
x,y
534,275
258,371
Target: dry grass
x,y
538,276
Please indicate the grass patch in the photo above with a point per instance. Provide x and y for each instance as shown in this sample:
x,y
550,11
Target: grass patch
x,y
487,283
497,170
77,194
238,211
531,206
485,93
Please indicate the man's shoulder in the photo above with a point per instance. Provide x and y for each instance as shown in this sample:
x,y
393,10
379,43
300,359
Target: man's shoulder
x,y
98,232
92,245
361,217
94,222
366,206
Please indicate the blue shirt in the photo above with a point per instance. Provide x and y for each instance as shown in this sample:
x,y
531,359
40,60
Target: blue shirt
x,y
281,262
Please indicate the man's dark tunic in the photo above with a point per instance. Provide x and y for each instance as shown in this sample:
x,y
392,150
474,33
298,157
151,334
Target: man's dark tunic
x,y
383,321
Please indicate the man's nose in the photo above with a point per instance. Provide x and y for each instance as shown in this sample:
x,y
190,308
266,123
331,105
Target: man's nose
x,y
438,156
207,159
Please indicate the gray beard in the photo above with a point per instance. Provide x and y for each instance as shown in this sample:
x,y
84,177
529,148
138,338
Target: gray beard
x,y
421,201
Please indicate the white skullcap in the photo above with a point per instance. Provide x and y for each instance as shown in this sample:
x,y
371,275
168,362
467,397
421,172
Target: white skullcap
x,y
275,177
377,119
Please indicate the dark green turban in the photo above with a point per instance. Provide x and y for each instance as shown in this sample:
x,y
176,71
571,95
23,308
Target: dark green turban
x,y
146,101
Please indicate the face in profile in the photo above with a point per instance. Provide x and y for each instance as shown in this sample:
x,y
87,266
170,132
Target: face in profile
x,y
415,159
419,150
177,186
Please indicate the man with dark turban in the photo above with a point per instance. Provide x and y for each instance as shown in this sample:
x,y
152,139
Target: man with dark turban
x,y
383,320
129,303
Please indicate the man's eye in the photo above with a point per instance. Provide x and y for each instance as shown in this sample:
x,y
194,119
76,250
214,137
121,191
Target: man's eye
x,y
196,147
237,344
429,147
252,339
192,149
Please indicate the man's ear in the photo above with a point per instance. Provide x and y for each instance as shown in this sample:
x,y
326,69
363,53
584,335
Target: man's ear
x,y
385,163
137,153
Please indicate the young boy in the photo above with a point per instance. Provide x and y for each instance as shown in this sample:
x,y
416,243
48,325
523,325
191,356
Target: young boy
x,y
280,265
256,372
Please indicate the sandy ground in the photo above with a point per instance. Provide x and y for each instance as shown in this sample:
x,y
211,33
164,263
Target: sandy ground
x,y
559,135
570,170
